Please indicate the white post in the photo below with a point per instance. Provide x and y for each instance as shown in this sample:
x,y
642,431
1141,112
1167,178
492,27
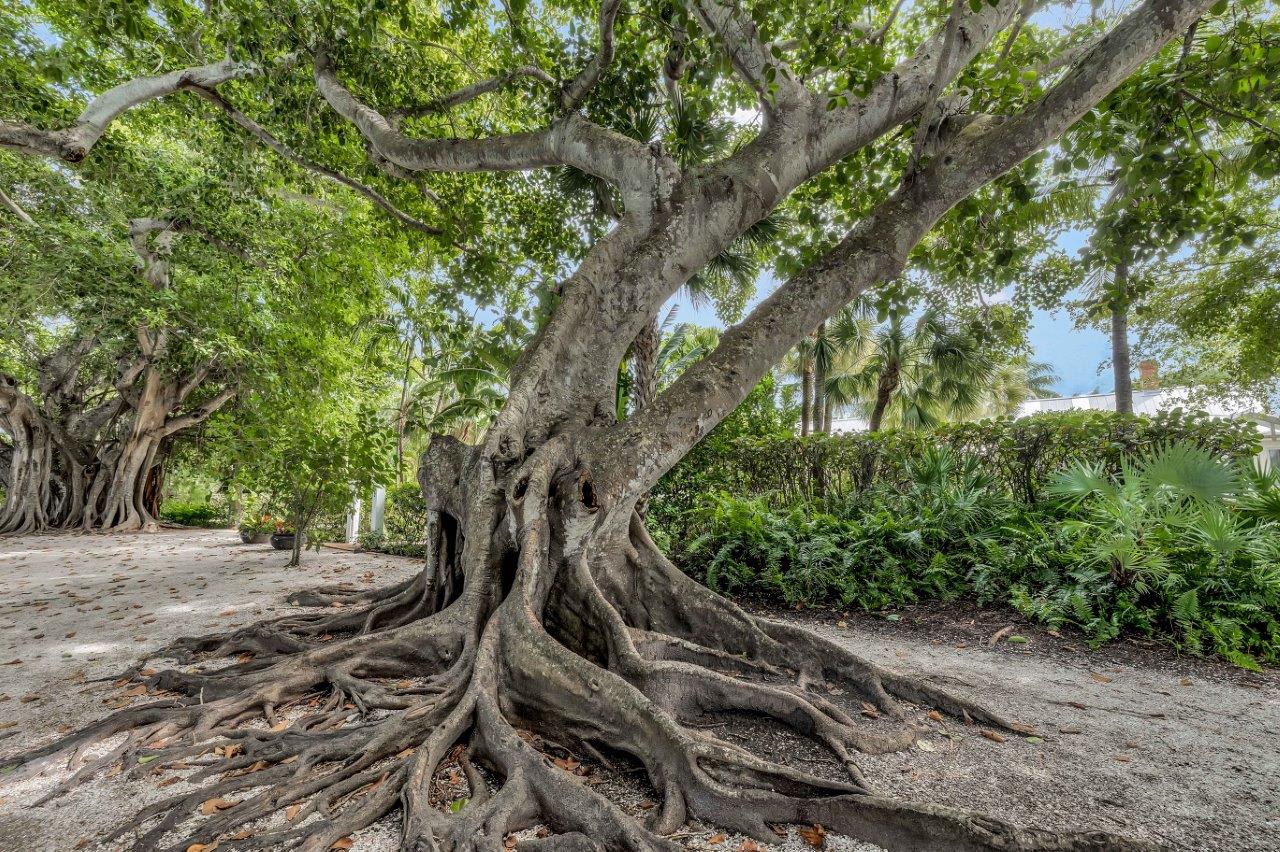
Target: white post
x,y
353,520
378,511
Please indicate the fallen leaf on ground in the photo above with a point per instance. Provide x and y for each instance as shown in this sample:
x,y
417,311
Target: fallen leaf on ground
x,y
1100,678
212,806
343,843
715,840
568,764
934,715
998,635
992,735
203,847
291,812
815,837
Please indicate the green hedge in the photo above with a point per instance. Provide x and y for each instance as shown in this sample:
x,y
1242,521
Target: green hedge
x,y
1021,454
195,514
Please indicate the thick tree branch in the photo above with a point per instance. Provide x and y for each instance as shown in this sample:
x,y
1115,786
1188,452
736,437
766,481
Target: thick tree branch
x,y
643,448
74,143
199,415
580,86
260,133
752,59
570,140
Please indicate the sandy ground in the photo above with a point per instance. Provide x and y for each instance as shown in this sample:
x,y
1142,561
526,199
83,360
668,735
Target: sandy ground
x,y
1182,752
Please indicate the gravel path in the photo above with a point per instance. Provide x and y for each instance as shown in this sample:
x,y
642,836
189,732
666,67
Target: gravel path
x,y
1182,752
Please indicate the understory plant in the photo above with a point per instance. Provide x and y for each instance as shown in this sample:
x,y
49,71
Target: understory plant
x,y
1180,546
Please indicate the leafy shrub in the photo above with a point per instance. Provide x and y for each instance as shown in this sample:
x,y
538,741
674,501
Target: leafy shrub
x,y
1021,456
1179,545
201,514
1174,546
405,519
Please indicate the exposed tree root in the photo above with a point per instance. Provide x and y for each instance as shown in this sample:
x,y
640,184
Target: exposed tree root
x,y
570,628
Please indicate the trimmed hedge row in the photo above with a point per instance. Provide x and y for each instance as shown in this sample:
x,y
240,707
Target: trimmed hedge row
x,y
1021,454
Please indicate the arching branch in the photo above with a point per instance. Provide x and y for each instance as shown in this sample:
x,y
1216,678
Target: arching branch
x,y
200,414
581,85
752,59
74,143
262,135
644,447
570,140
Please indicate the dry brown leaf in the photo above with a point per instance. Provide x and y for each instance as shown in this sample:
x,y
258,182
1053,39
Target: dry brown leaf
x,y
343,843
934,715
291,812
212,806
815,837
1100,678
715,840
172,779
509,842
203,847
568,764
750,846
992,735
29,697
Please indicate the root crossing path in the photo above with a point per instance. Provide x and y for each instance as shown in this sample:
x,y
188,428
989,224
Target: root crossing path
x,y
354,721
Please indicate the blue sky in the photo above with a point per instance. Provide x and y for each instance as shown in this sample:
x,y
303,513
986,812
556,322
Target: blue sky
x,y
1077,355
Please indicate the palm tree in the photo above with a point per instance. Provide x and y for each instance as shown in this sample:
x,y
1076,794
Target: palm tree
x,y
915,374
1013,382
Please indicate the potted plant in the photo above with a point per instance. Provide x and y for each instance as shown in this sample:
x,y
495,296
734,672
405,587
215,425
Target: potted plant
x,y
257,530
282,537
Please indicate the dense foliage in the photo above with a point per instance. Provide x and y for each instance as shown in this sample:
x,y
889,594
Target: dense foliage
x,y
749,458
1180,545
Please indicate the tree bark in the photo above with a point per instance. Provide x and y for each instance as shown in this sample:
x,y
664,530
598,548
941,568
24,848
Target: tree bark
x,y
1121,367
806,397
644,375
885,387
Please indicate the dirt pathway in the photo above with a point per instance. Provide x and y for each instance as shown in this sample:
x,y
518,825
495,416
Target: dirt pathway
x,y
1179,751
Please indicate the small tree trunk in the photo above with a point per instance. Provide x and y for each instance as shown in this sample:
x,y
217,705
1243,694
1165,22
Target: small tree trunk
x,y
806,398
402,413
819,384
1120,356
884,393
827,412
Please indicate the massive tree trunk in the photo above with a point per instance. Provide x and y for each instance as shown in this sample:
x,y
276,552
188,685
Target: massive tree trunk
x,y
82,465
1121,367
545,621
30,489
